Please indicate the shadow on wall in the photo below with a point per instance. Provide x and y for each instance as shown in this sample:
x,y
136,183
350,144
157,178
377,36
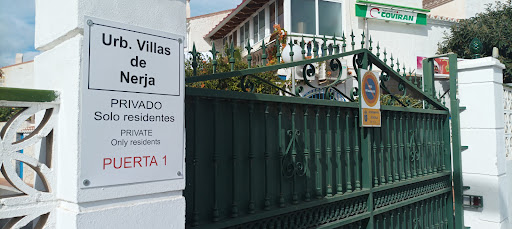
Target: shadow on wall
x,y
394,27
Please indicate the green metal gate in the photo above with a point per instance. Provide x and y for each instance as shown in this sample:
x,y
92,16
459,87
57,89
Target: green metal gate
x,y
256,160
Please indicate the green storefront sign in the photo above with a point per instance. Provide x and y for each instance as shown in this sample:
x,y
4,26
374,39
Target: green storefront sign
x,y
389,12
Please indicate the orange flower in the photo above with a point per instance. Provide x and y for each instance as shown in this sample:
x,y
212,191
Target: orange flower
x,y
202,85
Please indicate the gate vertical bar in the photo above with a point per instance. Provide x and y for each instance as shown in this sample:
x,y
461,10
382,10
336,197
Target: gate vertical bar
x,y
215,212
389,153
307,195
281,153
382,158
420,150
234,205
456,145
339,179
295,196
438,143
347,152
442,154
357,158
401,145
318,180
266,203
251,159
395,149
407,151
375,158
429,145
423,155
196,206
328,151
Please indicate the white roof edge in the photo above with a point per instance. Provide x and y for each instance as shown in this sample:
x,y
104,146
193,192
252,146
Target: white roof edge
x,y
226,19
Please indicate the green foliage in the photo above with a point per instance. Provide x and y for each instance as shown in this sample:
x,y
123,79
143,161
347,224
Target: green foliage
x,y
205,67
7,112
407,100
492,27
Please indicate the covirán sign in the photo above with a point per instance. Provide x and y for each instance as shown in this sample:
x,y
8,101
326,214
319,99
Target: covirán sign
x,y
390,14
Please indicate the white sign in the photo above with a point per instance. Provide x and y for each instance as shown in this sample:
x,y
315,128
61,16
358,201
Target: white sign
x,y
132,105
369,99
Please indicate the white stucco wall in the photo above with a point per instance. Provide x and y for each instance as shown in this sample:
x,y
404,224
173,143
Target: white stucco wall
x,y
19,75
409,3
59,33
198,27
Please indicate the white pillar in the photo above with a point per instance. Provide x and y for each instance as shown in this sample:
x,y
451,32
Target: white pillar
x,y
482,130
59,34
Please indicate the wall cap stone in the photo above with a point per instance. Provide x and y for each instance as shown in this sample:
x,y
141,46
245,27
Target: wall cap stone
x,y
479,63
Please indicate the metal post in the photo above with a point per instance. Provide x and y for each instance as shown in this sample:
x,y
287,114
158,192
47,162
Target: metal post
x,y
456,145
428,76
366,155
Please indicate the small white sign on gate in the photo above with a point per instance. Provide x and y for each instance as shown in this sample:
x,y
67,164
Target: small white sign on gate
x,y
132,105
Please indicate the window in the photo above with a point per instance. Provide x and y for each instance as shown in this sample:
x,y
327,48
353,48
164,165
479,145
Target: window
x,y
280,10
255,28
247,34
261,24
303,16
329,17
258,23
308,19
244,34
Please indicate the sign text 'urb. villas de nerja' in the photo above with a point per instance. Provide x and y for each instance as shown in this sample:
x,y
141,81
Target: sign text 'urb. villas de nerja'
x,y
132,105
390,14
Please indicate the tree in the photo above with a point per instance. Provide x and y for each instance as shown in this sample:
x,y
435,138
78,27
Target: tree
x,y
493,29
6,113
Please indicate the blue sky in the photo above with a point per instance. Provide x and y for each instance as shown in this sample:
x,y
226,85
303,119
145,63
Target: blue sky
x,y
17,20
16,30
199,7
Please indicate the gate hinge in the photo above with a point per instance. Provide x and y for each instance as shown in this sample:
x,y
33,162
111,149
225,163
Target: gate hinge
x,y
471,201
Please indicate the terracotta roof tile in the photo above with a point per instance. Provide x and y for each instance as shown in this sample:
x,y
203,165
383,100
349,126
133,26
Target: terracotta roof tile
x,y
12,65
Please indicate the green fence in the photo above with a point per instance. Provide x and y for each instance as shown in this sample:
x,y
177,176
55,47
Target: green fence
x,y
269,161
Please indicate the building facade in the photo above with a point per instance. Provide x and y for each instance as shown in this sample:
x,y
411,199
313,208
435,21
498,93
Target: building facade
x,y
254,21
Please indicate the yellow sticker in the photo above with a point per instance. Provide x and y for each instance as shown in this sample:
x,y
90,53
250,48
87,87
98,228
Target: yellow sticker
x,y
371,117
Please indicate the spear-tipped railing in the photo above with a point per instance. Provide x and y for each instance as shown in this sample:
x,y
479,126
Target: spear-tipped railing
x,y
405,90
